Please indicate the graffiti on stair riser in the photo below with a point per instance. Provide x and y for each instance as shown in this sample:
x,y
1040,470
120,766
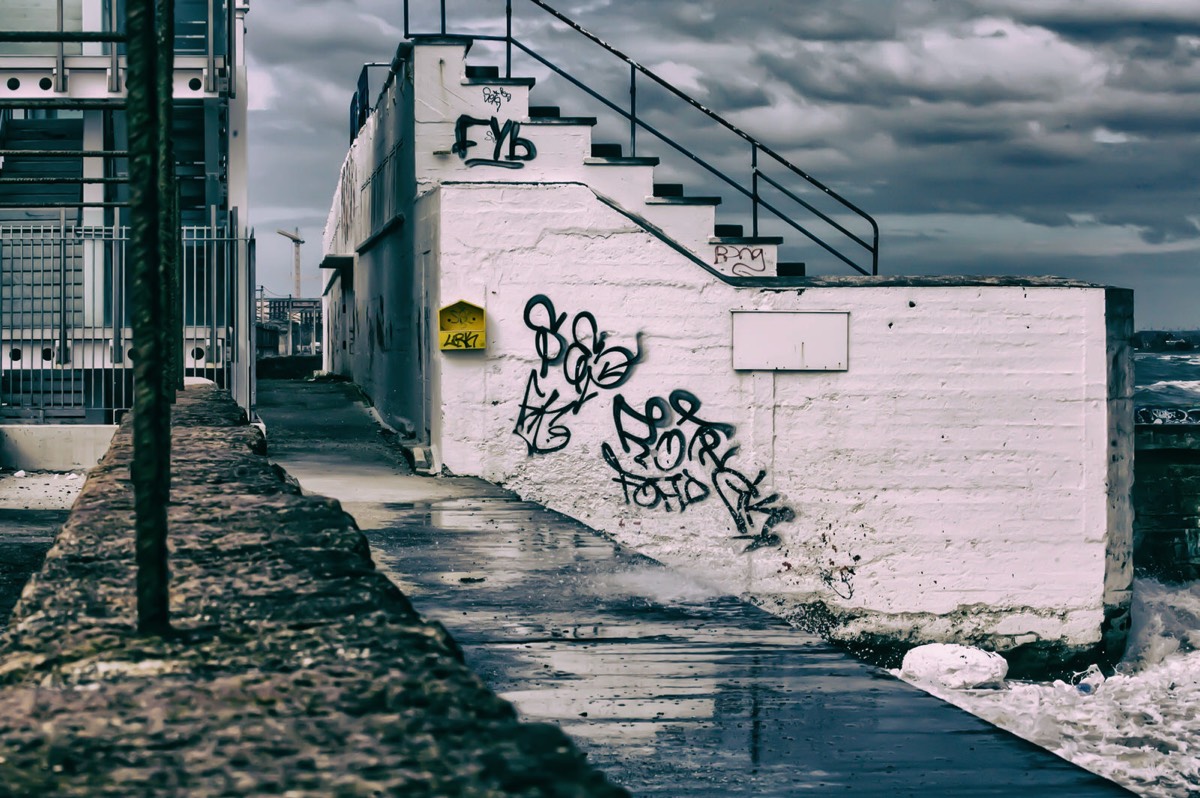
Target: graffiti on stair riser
x,y
509,150
677,457
684,459
581,358
495,97
740,261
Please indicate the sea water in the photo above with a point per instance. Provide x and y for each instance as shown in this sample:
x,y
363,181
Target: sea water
x,y
1136,726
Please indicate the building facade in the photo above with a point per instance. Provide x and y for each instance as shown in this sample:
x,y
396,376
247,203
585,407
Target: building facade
x,y
65,337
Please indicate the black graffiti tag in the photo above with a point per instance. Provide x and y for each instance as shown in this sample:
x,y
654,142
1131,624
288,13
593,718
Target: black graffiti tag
x,y
587,364
653,491
519,149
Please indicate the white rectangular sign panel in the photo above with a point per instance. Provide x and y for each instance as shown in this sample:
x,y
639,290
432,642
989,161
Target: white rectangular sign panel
x,y
767,340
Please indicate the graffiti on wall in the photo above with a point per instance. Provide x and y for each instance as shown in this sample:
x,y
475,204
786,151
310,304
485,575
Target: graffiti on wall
x,y
740,261
509,150
495,97
578,353
676,456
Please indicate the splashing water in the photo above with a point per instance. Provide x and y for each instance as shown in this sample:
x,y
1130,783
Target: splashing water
x,y
1136,727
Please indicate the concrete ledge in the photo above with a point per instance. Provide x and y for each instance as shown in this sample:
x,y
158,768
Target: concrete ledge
x,y
295,666
53,447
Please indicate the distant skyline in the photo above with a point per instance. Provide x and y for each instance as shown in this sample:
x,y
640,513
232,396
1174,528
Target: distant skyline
x,y
986,136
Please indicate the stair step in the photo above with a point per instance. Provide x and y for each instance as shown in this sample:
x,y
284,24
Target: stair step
x,y
728,231
527,82
609,161
562,120
787,268
668,189
683,200
482,71
743,240
606,150
544,112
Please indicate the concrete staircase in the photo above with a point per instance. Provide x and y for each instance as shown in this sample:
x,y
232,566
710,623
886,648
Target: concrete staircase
x,y
472,125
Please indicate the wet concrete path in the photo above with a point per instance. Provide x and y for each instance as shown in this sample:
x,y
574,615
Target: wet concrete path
x,y
673,689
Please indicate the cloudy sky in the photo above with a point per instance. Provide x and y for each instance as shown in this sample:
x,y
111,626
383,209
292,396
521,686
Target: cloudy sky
x,y
985,136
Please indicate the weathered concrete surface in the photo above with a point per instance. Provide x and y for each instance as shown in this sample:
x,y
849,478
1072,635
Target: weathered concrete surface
x,y
296,668
671,687
1166,496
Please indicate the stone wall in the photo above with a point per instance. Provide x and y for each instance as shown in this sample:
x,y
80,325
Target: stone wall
x,y
294,666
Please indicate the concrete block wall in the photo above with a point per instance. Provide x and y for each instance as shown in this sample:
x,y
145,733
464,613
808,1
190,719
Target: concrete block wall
x,y
951,484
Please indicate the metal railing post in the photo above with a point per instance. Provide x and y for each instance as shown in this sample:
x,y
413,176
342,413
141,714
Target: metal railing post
x,y
151,411
60,63
754,187
210,64
60,357
114,60
406,19
443,4
508,38
632,111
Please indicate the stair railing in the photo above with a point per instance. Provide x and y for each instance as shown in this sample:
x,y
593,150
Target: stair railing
x,y
759,152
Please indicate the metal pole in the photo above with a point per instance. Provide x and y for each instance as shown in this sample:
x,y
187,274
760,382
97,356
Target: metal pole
x,y
60,64
508,38
296,262
168,231
151,410
114,62
443,17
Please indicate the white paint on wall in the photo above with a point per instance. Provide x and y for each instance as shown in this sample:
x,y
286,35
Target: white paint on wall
x,y
950,485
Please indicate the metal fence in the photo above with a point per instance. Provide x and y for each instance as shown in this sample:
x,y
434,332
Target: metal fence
x,y
66,352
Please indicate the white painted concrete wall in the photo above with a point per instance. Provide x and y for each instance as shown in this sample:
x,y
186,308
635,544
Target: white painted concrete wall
x,y
951,484
965,478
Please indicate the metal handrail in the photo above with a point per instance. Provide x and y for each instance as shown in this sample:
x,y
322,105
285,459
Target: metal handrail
x,y
757,147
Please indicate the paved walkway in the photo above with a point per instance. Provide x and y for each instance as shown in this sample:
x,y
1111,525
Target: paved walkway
x,y
672,689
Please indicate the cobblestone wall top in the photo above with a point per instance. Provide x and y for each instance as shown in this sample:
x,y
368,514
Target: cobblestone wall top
x,y
295,667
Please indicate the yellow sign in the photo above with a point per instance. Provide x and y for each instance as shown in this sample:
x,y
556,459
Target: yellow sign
x,y
462,326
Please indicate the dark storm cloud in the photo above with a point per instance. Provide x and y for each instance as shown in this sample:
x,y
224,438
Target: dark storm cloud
x,y
949,120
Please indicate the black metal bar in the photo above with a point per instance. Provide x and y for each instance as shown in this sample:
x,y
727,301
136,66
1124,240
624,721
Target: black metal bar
x,y
60,180
443,4
65,153
632,112
711,114
508,38
830,221
406,19
151,411
812,236
68,205
754,187
74,36
66,103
